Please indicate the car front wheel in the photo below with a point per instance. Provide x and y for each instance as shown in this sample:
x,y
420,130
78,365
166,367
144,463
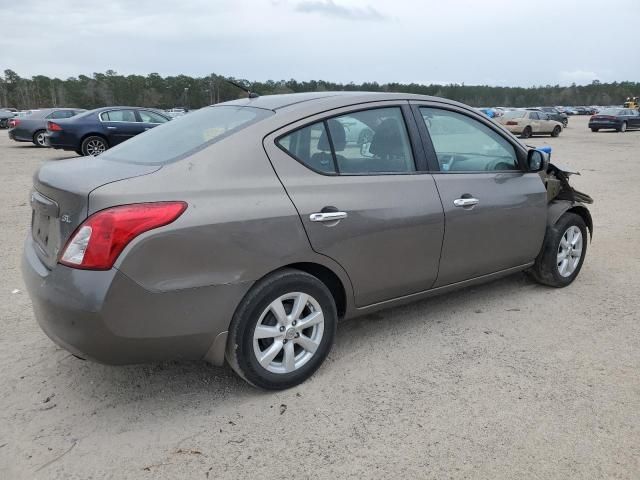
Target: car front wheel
x,y
623,127
282,330
563,252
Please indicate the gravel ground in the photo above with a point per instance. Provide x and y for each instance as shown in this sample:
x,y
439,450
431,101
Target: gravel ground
x,y
507,380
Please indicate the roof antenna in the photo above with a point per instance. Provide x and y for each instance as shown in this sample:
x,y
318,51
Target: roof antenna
x,y
245,89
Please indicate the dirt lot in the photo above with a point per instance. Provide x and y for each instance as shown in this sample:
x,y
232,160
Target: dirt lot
x,y
508,380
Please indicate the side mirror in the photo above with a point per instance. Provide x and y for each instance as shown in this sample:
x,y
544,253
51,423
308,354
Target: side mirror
x,y
537,161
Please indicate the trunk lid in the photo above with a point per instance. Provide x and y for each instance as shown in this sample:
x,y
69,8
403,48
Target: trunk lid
x,y
60,198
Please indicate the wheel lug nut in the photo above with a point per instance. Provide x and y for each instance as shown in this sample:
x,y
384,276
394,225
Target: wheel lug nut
x,y
285,341
294,323
282,329
297,335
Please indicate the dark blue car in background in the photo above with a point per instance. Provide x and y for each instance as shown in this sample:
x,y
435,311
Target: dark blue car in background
x,y
618,119
93,132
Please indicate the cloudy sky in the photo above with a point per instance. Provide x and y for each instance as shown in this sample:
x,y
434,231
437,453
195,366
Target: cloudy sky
x,y
495,42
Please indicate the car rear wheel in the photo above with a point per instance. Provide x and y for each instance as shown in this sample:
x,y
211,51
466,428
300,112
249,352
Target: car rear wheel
x,y
93,146
623,127
282,330
39,139
556,131
526,133
563,252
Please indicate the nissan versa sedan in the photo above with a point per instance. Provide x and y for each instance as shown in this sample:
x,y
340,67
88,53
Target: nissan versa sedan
x,y
246,230
32,127
98,130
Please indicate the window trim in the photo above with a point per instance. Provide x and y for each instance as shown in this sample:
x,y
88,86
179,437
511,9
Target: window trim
x,y
151,111
431,155
324,117
117,110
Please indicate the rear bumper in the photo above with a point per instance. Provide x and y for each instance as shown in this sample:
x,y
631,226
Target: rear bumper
x,y
107,317
18,136
605,124
61,140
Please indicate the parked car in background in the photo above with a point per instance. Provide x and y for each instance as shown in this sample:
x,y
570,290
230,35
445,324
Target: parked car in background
x,y
570,111
530,122
32,127
245,230
6,114
619,119
95,131
554,114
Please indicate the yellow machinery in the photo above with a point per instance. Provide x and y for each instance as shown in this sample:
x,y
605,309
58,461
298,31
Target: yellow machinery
x,y
632,102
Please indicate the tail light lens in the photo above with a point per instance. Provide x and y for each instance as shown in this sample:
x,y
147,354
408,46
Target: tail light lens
x,y
96,244
512,122
53,127
14,122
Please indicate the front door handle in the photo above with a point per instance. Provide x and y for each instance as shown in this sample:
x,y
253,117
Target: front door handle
x,y
466,202
327,216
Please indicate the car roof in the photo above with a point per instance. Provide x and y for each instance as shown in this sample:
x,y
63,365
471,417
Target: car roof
x,y
277,102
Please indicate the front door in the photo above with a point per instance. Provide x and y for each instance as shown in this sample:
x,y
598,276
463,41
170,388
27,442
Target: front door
x,y
352,176
495,212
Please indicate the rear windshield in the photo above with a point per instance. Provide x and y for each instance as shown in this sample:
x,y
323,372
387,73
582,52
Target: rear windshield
x,y
185,135
514,114
611,111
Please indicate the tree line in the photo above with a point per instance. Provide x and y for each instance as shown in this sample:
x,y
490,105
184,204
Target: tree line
x,y
153,90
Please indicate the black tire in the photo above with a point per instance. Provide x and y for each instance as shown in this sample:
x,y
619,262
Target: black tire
x,y
545,269
240,343
623,127
595,129
556,131
39,139
526,133
91,146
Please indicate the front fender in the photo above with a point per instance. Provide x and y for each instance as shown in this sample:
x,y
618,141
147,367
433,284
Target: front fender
x,y
558,207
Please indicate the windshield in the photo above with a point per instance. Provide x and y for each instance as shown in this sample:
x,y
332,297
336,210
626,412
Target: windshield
x,y
185,135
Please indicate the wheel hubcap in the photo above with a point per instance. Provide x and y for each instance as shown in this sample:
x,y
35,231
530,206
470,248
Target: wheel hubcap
x,y
95,147
40,139
569,251
288,332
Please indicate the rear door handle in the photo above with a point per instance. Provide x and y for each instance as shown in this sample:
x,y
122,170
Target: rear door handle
x,y
466,202
327,216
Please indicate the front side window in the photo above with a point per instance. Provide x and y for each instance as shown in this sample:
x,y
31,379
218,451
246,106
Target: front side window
x,y
463,144
151,117
360,143
118,116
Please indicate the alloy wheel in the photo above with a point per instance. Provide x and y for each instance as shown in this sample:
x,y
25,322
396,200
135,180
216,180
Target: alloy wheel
x,y
288,332
95,147
569,251
40,139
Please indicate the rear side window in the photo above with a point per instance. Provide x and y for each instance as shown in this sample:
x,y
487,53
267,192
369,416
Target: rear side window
x,y
118,116
360,143
186,135
151,117
62,114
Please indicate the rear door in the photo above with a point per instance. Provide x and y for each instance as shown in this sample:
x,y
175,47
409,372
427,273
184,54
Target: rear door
x,y
536,124
362,198
495,212
120,125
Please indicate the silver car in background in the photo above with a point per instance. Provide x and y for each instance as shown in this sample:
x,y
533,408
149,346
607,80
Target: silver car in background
x,y
245,230
33,126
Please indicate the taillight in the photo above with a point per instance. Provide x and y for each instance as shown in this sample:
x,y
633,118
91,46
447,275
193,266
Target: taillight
x,y
512,122
96,244
14,122
53,127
